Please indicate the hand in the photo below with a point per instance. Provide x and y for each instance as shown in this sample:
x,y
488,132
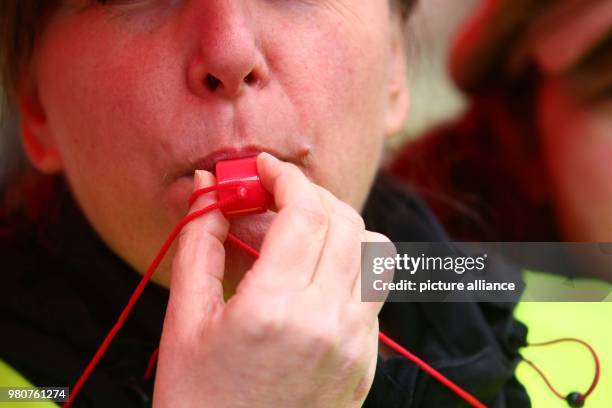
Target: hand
x,y
295,334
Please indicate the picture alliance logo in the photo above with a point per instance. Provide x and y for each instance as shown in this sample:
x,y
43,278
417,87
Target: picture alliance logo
x,y
413,264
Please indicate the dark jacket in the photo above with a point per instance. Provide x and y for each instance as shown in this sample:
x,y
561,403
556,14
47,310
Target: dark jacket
x,y
63,288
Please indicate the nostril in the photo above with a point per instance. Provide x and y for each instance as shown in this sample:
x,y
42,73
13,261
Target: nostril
x,y
212,82
249,79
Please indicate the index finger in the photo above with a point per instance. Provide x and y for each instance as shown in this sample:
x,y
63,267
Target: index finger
x,y
293,244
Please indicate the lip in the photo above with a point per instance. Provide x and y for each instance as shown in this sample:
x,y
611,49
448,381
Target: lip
x,y
208,161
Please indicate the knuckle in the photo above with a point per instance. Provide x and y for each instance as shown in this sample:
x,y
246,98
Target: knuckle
x,y
357,354
353,360
323,340
260,323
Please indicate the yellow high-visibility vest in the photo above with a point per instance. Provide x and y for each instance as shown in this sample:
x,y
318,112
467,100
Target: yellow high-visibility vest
x,y
9,377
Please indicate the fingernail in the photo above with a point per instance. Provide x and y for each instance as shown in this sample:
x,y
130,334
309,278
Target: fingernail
x,y
268,156
266,159
203,178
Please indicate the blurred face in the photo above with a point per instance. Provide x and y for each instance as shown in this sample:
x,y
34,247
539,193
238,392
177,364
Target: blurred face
x,y
575,116
128,98
571,46
576,137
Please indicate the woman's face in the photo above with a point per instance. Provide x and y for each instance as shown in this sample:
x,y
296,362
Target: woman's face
x,y
576,138
128,98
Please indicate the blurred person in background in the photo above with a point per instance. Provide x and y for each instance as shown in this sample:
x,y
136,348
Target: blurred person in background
x,y
530,160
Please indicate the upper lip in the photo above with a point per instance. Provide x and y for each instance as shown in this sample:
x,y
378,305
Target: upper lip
x,y
208,161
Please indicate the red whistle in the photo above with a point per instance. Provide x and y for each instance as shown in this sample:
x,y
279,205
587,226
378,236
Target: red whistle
x,y
239,176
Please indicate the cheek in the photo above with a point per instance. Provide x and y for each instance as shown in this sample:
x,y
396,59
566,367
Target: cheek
x,y
577,144
102,105
342,83
107,100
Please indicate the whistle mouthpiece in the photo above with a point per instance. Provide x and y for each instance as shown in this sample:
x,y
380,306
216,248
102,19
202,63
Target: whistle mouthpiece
x,y
253,197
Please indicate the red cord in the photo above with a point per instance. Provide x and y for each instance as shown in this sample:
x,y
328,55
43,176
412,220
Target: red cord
x,y
567,339
151,364
242,245
136,295
201,191
470,399
463,394
466,396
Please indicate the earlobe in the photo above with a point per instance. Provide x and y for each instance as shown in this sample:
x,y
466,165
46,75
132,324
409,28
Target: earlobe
x,y
399,106
398,95
37,143
43,158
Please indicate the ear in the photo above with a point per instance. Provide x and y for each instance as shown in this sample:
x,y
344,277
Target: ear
x,y
398,99
35,134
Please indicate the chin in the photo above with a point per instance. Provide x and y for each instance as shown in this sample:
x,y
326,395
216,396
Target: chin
x,y
251,230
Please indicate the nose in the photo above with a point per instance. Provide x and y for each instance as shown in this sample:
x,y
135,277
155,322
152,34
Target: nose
x,y
226,60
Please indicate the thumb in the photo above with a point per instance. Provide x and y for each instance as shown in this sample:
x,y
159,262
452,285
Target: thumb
x,y
196,289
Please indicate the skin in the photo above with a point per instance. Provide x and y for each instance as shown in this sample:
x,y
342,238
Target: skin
x,y
318,84
296,333
575,131
577,146
136,92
